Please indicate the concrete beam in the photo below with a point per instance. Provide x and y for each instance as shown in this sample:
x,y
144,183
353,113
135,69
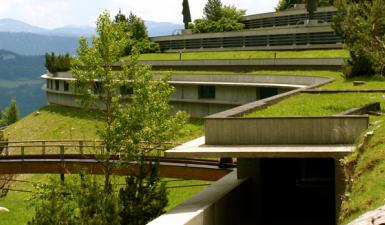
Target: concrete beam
x,y
198,149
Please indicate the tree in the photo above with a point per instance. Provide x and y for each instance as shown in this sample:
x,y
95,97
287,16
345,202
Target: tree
x,y
287,4
219,18
68,203
132,128
213,10
11,113
144,197
135,27
361,24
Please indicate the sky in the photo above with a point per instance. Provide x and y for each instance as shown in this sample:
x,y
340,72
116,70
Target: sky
x,y
58,13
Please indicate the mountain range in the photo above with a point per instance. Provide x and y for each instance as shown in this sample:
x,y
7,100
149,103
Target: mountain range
x,y
16,26
25,39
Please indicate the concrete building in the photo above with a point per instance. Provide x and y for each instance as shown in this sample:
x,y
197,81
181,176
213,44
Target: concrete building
x,y
199,95
287,30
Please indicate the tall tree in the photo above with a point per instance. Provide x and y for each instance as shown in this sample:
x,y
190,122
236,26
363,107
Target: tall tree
x,y
361,24
97,83
11,113
213,10
186,14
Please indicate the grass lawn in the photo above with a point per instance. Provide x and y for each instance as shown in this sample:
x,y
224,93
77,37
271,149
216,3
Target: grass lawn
x,y
318,104
58,122
21,212
335,53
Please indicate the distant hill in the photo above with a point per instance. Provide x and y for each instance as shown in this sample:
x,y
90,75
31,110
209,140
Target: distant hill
x,y
25,39
161,28
20,79
37,44
16,26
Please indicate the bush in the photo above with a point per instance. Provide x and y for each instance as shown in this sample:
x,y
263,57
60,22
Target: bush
x,y
144,197
60,63
361,24
219,18
138,34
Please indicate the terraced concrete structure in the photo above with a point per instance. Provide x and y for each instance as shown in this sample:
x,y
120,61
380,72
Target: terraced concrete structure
x,y
271,31
199,95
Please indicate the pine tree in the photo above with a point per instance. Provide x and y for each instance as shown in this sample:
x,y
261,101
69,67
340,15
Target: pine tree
x,y
11,113
213,10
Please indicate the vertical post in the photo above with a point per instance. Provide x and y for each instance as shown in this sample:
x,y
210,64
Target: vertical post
x,y
62,153
43,147
62,159
81,147
22,152
6,149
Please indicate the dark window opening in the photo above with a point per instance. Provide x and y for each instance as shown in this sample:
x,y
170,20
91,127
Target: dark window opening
x,y
57,86
207,92
66,86
48,82
300,191
126,90
97,88
265,92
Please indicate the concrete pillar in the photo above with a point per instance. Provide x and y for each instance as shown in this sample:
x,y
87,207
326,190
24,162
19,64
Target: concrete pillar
x,y
251,168
340,185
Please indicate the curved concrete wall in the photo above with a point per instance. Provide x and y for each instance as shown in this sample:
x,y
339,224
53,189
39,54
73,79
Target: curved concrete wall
x,y
230,90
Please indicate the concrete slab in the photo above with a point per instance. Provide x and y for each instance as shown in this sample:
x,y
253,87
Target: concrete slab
x,y
198,148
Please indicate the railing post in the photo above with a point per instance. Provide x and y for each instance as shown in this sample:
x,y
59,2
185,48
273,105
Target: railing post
x,y
22,152
6,148
62,153
81,147
43,145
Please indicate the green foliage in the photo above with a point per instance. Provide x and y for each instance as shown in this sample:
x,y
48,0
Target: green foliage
x,y
54,205
144,197
362,26
11,113
96,207
70,204
213,10
60,63
287,4
219,18
131,129
137,32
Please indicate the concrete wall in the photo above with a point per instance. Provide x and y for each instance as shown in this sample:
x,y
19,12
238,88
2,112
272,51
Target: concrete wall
x,y
285,130
231,90
248,64
263,31
223,203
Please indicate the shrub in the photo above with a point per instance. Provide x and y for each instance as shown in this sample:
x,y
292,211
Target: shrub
x,y
144,197
219,18
60,63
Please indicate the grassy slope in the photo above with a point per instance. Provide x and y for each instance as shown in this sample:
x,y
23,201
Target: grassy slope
x,y
55,122
318,104
247,55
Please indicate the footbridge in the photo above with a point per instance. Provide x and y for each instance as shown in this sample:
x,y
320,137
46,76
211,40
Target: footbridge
x,y
77,156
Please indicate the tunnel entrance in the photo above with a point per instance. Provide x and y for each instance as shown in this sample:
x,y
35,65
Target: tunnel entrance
x,y
298,191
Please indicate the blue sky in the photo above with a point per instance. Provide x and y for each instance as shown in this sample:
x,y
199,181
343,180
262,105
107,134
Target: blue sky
x,y
58,13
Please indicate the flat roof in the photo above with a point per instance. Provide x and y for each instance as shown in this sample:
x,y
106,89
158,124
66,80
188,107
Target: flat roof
x,y
198,148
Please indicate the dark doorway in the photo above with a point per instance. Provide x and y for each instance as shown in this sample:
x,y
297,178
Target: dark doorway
x,y
265,92
298,191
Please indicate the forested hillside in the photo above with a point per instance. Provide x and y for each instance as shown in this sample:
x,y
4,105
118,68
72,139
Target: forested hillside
x,y
20,79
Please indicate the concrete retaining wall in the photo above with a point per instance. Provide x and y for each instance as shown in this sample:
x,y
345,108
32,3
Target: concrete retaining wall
x,y
223,203
248,64
284,130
